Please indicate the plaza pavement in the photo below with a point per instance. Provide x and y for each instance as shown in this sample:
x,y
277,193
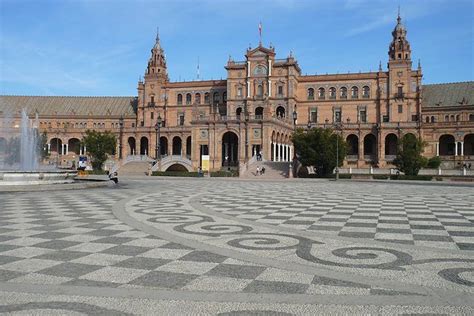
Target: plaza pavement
x,y
230,247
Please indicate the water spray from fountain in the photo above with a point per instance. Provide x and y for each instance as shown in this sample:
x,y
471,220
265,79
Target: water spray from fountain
x,y
29,143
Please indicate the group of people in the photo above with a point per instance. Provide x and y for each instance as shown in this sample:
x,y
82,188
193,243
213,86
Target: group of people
x,y
260,171
466,166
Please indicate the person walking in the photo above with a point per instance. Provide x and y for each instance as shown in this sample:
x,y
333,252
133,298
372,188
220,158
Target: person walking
x,y
263,171
258,171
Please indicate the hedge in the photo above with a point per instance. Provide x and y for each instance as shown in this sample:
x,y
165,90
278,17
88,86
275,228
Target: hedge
x,y
174,174
380,177
405,177
217,174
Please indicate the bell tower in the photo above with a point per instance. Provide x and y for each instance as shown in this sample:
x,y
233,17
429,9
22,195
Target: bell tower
x,y
151,91
399,51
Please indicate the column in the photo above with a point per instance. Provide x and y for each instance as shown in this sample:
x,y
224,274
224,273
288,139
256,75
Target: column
x,y
437,149
49,148
62,149
455,148
274,152
291,156
462,148
84,150
67,149
286,152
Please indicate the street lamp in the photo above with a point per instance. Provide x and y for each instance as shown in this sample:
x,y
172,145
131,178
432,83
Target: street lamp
x,y
309,125
295,116
157,143
121,136
337,126
246,116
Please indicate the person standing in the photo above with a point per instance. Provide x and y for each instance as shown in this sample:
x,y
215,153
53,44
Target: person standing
x,y
258,171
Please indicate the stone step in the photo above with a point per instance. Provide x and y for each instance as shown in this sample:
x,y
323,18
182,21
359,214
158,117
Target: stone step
x,y
134,168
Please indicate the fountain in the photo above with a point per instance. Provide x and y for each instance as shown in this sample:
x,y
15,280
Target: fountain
x,y
22,166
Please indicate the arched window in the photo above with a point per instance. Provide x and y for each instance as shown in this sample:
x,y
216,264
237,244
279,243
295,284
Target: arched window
x,y
206,98
197,98
332,93
427,119
215,98
188,98
354,92
471,117
432,119
259,113
238,112
321,93
180,99
458,118
343,93
239,92
446,118
260,90
310,94
366,92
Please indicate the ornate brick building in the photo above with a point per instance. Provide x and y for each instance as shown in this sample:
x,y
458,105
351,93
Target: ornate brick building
x,y
256,109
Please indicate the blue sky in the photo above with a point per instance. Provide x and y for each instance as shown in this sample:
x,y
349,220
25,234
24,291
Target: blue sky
x,y
101,47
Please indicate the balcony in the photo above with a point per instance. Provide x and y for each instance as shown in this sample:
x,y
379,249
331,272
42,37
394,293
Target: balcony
x,y
399,96
151,104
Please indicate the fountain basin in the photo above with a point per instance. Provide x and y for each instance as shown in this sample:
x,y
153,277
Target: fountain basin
x,y
37,177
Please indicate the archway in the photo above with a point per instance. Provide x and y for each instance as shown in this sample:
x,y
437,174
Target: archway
x,y
469,145
391,142
446,145
177,145
56,145
352,145
144,146
259,113
74,145
230,149
188,146
280,111
132,146
163,146
370,145
177,167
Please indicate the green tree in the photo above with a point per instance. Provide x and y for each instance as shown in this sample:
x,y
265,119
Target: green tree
x,y
409,157
317,147
98,146
42,145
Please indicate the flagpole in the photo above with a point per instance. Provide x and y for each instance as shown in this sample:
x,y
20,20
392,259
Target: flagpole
x,y
260,33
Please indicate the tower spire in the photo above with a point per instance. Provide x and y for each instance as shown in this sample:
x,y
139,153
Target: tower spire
x,y
260,33
398,17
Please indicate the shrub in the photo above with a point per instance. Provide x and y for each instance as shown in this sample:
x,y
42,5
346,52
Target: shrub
x,y
232,173
411,177
434,162
174,174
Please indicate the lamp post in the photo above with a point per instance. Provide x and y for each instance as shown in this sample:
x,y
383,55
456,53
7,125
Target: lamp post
x,y
295,116
121,136
246,115
157,134
337,126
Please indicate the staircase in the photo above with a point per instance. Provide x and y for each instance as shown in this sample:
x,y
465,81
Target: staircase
x,y
134,168
273,170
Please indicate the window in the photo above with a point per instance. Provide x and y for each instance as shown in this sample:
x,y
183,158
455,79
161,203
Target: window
x,y
280,90
152,99
206,98
366,92
400,92
363,116
180,99
400,108
313,115
188,98
385,118
197,98
427,119
414,118
239,92
310,94
337,115
343,93
260,90
354,92
471,117
181,119
224,96
215,98
152,115
432,119
321,93
446,118
332,93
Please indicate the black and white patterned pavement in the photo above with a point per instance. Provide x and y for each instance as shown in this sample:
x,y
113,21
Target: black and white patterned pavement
x,y
227,246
